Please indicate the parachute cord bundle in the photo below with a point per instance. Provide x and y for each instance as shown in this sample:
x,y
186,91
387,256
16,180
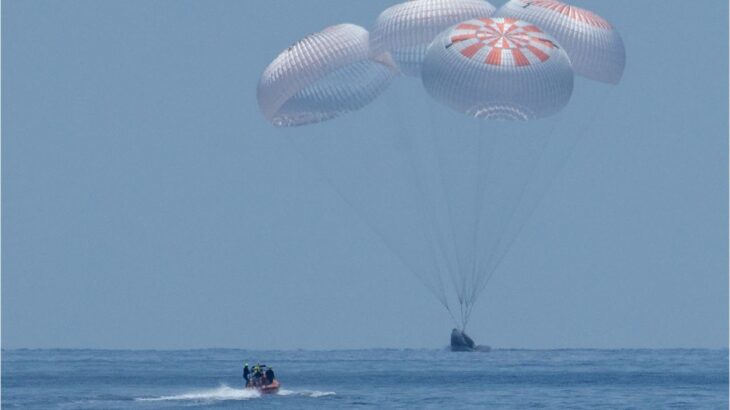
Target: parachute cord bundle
x,y
426,209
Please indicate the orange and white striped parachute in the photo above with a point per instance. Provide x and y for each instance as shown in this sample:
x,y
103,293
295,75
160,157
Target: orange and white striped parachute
x,y
498,68
595,48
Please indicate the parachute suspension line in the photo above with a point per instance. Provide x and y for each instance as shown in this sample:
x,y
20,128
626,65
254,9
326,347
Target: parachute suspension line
x,y
483,274
543,142
428,203
451,314
461,266
438,293
436,244
440,194
482,172
486,273
486,188
458,279
474,227
449,211
570,149
435,249
456,275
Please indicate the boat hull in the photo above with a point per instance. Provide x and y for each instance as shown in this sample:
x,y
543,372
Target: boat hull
x,y
271,388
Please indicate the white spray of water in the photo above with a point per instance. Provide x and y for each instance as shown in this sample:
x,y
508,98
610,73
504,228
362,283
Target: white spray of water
x,y
316,394
306,393
218,394
224,393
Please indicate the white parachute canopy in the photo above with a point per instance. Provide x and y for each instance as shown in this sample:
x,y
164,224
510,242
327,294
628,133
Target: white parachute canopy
x,y
322,76
498,68
595,48
405,30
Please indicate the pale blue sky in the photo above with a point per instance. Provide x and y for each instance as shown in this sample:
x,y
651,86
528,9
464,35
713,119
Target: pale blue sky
x,y
147,203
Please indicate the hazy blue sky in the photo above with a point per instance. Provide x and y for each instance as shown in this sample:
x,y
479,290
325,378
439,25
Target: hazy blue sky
x,y
147,204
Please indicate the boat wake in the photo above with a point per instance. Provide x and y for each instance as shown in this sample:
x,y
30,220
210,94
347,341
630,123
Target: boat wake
x,y
306,393
218,394
226,393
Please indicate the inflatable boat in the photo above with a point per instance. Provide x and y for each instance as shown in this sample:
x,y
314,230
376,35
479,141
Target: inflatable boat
x,y
270,388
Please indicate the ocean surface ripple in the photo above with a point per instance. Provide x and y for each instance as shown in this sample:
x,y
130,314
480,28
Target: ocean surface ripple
x,y
377,378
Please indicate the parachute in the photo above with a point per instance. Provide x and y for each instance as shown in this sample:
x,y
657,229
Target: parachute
x,y
322,76
595,48
498,68
406,30
447,191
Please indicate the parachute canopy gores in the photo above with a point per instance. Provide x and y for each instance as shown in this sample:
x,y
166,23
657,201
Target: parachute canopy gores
x,y
498,68
595,48
323,76
405,30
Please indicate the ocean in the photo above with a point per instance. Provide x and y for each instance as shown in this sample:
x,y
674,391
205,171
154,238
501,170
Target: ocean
x,y
378,378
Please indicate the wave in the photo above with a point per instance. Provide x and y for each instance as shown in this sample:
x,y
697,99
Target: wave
x,y
224,393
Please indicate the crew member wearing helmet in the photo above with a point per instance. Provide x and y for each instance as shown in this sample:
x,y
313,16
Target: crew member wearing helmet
x,y
246,373
257,374
270,375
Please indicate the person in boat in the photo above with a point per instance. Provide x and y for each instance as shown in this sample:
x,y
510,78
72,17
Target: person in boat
x,y
270,375
246,374
257,375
